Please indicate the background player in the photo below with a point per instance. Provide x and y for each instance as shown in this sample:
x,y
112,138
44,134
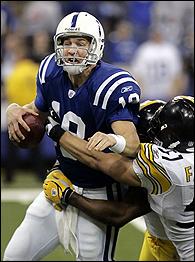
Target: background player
x,y
166,171
88,95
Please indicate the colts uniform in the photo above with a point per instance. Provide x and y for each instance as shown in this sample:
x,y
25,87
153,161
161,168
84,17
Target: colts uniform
x,y
156,246
108,95
169,178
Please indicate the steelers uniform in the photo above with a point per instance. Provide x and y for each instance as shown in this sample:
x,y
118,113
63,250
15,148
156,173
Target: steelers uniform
x,y
156,246
169,178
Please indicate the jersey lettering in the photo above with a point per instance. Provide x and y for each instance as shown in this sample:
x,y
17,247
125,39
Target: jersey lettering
x,y
133,98
75,125
170,156
188,171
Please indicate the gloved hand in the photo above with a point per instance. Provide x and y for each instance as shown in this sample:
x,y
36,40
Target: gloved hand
x,y
57,188
53,128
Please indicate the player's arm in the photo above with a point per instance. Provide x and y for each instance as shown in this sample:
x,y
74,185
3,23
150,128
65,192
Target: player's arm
x,y
14,114
115,165
60,192
127,130
117,213
125,139
122,108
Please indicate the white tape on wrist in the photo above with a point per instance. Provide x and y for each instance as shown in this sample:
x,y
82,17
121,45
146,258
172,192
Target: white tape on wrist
x,y
120,143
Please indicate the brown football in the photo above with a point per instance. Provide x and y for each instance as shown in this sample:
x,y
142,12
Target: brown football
x,y
37,131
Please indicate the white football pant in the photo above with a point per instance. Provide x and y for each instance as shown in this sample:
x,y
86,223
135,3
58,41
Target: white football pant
x,y
39,233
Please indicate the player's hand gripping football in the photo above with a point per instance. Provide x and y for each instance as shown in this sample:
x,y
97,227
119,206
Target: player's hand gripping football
x,y
53,128
57,188
14,114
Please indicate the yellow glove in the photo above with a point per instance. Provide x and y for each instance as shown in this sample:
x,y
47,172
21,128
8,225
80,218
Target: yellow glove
x,y
57,188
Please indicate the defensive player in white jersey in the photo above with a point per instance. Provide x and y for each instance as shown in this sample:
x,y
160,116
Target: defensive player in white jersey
x,y
88,95
165,168
156,245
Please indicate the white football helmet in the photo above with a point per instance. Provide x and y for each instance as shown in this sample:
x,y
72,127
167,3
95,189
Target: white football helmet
x,y
79,24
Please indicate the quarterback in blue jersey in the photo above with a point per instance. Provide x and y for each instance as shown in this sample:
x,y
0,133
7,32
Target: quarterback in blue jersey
x,y
96,102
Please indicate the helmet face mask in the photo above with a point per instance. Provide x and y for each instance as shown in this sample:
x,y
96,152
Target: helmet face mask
x,y
79,25
75,62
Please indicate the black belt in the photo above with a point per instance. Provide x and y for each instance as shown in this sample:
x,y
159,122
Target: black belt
x,y
185,225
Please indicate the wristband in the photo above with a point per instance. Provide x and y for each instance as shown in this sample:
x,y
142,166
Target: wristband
x,y
120,144
56,132
66,195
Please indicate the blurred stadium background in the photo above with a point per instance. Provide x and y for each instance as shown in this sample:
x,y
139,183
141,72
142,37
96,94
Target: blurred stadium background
x,y
154,40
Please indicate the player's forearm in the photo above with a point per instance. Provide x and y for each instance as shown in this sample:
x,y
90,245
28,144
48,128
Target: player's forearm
x,y
77,148
128,131
108,212
114,165
92,158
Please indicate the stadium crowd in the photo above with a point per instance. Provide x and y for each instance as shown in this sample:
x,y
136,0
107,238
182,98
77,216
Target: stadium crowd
x,y
144,37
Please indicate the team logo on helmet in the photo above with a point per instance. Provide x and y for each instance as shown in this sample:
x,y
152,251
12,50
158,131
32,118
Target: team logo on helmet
x,y
53,192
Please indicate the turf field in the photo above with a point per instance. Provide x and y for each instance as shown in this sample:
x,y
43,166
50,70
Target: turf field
x,y
13,209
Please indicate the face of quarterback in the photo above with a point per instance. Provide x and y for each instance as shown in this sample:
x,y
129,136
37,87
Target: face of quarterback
x,y
75,49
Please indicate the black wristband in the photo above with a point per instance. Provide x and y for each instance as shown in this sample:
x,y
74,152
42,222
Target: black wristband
x,y
66,195
56,132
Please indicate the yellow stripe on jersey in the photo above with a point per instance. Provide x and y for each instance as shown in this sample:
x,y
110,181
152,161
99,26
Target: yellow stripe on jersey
x,y
156,172
157,165
145,161
144,170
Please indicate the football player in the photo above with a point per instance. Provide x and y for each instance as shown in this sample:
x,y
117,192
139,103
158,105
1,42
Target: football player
x,y
156,246
87,95
165,168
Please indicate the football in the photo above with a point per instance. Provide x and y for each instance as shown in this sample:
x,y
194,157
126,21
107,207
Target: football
x,y
37,131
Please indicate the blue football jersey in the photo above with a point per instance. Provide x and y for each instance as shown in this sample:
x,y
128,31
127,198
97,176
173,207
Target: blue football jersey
x,y
108,95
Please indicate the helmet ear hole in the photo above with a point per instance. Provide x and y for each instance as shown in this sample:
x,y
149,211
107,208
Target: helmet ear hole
x,y
60,40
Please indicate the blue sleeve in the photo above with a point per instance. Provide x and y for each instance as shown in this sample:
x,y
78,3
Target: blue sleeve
x,y
40,101
46,69
123,104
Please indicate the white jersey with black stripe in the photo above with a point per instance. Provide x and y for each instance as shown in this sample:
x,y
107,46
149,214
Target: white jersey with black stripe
x,y
168,176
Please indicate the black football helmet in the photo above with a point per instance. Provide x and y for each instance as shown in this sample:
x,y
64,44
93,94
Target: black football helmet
x,y
172,126
147,109
189,99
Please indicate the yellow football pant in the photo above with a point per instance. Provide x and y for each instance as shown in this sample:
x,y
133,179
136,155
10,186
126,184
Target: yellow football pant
x,y
155,249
